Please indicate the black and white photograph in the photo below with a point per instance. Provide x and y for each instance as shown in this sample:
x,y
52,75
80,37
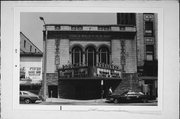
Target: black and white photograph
x,y
89,59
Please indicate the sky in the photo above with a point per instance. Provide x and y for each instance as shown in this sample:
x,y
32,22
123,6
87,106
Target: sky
x,y
31,26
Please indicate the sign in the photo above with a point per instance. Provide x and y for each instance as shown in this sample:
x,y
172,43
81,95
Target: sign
x,y
108,73
71,72
33,73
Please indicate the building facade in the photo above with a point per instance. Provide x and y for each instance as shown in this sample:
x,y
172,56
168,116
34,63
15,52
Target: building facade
x,y
84,61
147,43
30,65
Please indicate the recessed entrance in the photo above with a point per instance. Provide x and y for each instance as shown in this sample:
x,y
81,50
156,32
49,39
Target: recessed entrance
x,y
53,91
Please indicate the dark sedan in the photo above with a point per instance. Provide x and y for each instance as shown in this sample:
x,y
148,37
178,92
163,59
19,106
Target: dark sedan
x,y
129,96
28,97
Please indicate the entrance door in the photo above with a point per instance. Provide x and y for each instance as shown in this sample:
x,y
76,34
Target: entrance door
x,y
151,87
53,91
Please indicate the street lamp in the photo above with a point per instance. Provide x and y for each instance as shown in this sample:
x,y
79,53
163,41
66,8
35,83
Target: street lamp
x,y
44,58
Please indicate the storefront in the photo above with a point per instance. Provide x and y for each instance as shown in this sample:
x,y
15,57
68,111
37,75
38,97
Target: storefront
x,y
31,72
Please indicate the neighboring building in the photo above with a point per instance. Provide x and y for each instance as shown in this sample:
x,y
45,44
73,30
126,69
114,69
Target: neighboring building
x,y
147,44
30,65
84,61
26,46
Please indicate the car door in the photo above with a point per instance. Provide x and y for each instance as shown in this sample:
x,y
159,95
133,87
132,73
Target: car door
x,y
130,97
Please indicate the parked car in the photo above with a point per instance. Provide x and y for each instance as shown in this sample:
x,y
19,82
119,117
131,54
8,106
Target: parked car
x,y
28,97
129,96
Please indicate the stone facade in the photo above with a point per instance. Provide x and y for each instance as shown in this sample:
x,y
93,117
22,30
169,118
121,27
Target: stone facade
x,y
59,53
127,50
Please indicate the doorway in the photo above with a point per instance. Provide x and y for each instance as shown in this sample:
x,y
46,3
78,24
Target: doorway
x,y
53,91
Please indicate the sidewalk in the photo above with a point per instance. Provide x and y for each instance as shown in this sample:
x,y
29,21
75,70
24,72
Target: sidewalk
x,y
71,100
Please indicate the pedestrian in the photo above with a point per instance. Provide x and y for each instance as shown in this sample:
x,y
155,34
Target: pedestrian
x,y
110,91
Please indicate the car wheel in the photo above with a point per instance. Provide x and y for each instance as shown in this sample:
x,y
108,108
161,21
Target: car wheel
x,y
27,101
115,101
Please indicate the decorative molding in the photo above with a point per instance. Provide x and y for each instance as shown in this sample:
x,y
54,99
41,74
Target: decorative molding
x,y
123,55
57,53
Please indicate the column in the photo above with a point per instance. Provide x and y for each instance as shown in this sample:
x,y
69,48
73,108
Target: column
x,y
97,58
84,62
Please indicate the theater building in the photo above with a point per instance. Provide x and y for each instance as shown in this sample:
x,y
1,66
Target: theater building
x,y
84,61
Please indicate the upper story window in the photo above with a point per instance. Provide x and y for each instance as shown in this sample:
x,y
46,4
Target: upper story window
x,y
126,18
149,52
24,43
30,48
148,30
90,56
104,55
148,24
77,55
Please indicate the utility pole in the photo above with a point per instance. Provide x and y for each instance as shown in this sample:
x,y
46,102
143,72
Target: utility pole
x,y
44,58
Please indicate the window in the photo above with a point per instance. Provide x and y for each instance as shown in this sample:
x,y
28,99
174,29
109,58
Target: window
x,y
126,18
148,28
77,55
30,48
104,55
24,93
90,56
149,52
24,44
35,50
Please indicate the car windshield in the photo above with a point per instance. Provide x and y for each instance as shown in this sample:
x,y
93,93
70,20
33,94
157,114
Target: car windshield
x,y
25,93
28,93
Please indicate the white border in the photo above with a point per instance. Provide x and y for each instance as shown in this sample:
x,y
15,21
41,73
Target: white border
x,y
86,9
170,85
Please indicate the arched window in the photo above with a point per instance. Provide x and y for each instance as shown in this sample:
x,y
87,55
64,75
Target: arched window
x,y
90,56
104,55
77,55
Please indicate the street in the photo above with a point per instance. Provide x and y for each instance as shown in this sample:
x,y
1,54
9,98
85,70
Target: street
x,y
53,101
110,104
